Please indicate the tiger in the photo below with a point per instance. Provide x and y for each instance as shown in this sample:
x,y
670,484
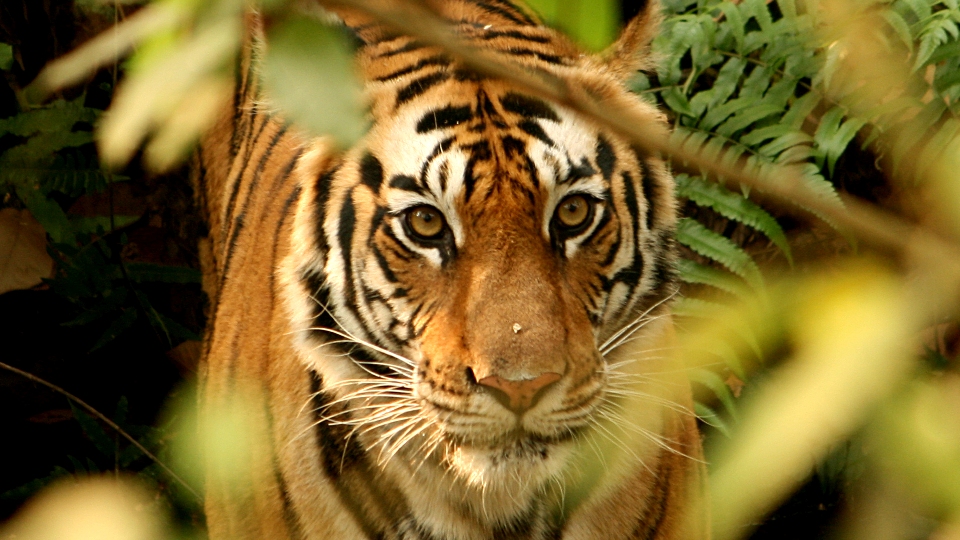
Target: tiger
x,y
458,328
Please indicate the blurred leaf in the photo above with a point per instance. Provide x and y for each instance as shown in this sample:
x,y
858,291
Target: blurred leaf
x,y
851,332
24,261
156,90
309,74
48,213
915,440
108,47
6,56
713,381
711,418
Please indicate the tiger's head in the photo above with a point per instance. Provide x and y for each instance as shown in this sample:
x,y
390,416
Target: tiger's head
x,y
462,276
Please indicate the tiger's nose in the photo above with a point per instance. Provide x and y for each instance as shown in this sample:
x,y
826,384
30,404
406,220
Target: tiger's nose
x,y
518,395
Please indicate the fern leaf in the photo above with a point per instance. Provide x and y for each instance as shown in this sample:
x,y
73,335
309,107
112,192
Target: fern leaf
x,y
800,109
694,272
920,8
735,21
713,381
937,144
719,248
723,86
784,142
721,112
733,206
61,116
746,118
48,213
833,135
900,27
759,135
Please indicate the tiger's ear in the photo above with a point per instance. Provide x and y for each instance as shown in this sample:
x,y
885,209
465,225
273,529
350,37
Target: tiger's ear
x,y
631,51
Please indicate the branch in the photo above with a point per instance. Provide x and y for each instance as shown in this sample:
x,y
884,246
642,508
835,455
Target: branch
x,y
864,220
100,416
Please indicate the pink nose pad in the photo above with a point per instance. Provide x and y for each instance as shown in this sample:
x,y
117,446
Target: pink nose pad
x,y
518,396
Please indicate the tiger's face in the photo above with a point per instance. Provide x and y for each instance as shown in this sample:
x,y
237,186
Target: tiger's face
x,y
465,271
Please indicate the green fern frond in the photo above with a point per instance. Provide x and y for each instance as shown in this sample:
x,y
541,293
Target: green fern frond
x,y
733,206
694,272
713,381
719,248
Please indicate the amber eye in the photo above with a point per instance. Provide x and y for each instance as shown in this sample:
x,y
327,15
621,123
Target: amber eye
x,y
573,212
425,222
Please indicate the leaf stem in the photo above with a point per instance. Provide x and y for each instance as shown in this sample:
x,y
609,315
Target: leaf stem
x,y
100,416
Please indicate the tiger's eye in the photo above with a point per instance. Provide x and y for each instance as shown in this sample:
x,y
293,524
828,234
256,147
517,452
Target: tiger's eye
x,y
425,222
573,211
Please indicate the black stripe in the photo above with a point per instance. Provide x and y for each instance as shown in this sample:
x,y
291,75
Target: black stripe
x,y
339,454
614,248
517,10
583,170
516,34
235,189
280,179
531,127
508,12
437,150
322,189
383,264
436,60
348,220
534,180
315,282
289,514
469,179
633,208
419,86
513,146
446,117
606,160
409,47
238,221
444,174
523,51
528,107
650,192
604,220
371,172
399,249
284,214
406,183
649,523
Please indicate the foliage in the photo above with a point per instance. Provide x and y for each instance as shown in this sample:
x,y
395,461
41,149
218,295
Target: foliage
x,y
51,159
48,161
756,83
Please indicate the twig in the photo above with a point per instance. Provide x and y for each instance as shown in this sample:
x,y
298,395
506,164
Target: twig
x,y
866,221
106,421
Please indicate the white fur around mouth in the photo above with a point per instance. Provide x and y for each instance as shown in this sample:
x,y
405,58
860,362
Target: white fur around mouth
x,y
523,463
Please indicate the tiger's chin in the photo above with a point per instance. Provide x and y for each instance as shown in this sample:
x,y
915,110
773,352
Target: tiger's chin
x,y
516,467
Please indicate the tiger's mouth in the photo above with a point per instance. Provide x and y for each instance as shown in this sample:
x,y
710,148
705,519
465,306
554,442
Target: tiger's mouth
x,y
517,441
